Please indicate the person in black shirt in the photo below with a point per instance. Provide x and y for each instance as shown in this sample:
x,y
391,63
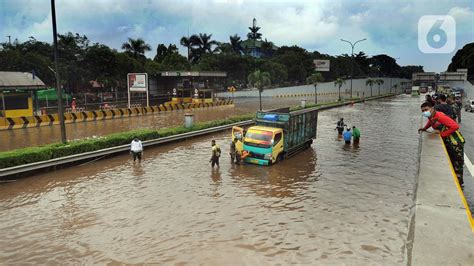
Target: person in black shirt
x,y
444,107
340,127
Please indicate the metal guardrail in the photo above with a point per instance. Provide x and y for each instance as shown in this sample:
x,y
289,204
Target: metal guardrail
x,y
108,151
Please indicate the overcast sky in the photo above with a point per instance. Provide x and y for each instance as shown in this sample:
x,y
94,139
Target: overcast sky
x,y
389,26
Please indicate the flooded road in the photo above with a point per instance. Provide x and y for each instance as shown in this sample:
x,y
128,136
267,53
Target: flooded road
x,y
27,137
329,204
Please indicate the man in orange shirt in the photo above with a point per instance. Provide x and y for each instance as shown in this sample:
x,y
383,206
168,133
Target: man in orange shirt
x,y
449,131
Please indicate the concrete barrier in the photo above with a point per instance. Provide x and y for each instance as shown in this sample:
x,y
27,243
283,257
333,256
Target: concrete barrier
x,y
10,123
442,229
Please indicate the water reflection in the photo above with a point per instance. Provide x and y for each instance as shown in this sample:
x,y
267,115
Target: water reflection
x,y
28,137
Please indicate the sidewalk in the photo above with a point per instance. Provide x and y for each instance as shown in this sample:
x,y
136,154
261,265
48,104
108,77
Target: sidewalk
x,y
443,227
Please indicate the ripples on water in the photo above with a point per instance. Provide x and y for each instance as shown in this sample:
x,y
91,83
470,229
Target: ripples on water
x,y
328,204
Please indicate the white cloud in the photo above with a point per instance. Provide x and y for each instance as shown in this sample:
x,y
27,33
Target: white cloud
x,y
461,13
389,26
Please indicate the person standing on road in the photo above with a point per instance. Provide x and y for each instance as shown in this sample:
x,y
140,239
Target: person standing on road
x,y
340,126
216,153
458,104
348,136
452,137
233,151
136,149
356,135
73,105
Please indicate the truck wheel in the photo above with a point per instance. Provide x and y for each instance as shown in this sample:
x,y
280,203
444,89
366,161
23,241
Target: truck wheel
x,y
279,158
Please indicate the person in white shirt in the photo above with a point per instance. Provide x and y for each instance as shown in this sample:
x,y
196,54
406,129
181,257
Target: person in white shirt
x,y
136,149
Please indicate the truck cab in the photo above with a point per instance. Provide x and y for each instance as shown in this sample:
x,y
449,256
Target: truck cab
x,y
262,145
277,134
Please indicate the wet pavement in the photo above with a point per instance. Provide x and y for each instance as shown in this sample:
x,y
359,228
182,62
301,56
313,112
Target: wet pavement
x,y
467,129
331,203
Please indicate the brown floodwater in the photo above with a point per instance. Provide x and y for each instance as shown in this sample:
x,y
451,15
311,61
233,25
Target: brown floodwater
x,y
27,137
330,204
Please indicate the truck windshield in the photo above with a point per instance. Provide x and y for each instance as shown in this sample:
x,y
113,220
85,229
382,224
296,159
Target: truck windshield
x,y
262,139
260,135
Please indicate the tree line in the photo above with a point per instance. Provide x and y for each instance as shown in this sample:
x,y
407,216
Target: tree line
x,y
81,61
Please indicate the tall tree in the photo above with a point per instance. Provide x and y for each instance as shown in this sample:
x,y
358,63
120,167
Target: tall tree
x,y
297,61
379,82
464,58
339,82
236,43
186,42
162,51
406,72
314,79
201,44
370,83
136,47
384,65
101,63
259,80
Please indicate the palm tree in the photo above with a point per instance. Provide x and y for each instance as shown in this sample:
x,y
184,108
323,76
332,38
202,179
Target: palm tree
x,y
186,42
370,83
314,79
236,43
379,82
205,43
136,47
198,45
339,82
259,80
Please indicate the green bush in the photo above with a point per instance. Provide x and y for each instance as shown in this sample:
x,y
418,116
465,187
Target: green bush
x,y
47,152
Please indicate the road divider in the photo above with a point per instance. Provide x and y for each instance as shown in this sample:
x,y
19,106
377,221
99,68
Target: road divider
x,y
10,123
291,95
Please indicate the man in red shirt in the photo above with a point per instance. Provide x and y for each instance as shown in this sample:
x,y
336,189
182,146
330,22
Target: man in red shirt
x,y
449,131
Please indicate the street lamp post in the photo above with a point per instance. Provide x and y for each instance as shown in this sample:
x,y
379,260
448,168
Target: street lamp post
x,y
59,91
352,57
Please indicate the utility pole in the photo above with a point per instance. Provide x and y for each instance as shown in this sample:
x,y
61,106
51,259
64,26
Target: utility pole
x,y
352,57
59,90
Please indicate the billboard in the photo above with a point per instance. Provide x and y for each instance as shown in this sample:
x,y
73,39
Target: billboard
x,y
137,82
321,65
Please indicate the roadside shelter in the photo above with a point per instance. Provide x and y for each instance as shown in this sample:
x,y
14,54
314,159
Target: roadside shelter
x,y
18,93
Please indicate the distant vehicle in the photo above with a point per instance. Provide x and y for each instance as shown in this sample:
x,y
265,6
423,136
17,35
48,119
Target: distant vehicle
x,y
458,92
423,89
469,106
278,134
415,91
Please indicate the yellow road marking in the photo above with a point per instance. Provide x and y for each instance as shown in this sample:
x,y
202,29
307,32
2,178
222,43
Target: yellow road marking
x,y
461,194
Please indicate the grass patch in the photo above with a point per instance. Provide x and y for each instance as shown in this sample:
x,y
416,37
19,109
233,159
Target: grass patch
x,y
52,151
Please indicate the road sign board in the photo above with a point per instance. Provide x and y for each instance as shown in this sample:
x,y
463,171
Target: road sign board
x,y
321,65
